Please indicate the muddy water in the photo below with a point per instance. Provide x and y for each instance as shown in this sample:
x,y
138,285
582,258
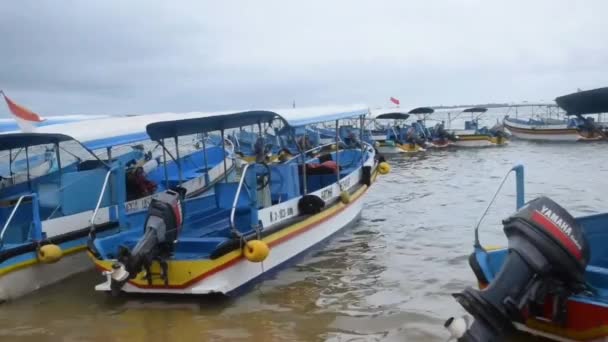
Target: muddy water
x,y
388,278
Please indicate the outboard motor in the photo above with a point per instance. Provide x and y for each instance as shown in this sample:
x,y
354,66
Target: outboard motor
x,y
161,230
548,254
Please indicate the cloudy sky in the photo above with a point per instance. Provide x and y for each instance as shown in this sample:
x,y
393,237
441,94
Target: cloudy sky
x,y
115,57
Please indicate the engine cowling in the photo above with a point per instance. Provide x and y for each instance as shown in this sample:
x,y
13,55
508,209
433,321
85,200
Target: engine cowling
x,y
547,250
161,230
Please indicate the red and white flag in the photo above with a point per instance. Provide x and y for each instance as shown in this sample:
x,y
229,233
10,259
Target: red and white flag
x,y
394,100
25,117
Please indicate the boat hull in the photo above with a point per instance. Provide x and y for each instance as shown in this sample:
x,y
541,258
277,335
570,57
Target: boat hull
x,y
558,133
399,148
478,140
231,272
31,275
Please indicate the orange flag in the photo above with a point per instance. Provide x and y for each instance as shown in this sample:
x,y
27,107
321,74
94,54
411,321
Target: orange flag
x,y
20,111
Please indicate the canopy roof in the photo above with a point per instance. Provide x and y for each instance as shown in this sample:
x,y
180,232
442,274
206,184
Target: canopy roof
x,y
11,141
293,117
389,113
475,110
585,102
112,131
422,110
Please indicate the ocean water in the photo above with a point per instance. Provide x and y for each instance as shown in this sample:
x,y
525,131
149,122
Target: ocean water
x,y
388,278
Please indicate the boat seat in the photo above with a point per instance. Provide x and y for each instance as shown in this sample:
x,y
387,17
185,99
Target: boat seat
x,y
597,277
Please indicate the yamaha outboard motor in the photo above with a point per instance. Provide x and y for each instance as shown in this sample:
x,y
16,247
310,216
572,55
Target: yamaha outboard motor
x,y
548,254
161,230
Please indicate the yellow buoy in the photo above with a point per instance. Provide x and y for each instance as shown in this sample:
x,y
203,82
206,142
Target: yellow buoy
x,y
345,197
256,250
384,168
49,254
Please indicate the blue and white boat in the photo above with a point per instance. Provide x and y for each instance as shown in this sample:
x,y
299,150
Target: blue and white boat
x,y
46,216
391,134
474,136
246,228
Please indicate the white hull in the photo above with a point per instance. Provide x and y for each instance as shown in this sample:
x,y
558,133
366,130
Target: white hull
x,y
545,137
21,282
473,143
542,132
243,271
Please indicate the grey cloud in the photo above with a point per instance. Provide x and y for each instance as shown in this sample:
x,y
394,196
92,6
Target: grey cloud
x,y
62,57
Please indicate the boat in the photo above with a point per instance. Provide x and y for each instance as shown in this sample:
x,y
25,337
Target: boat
x,y
573,128
551,280
46,217
246,229
475,136
392,134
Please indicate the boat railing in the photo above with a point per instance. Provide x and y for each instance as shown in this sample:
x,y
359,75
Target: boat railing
x,y
236,200
519,196
319,147
36,220
100,199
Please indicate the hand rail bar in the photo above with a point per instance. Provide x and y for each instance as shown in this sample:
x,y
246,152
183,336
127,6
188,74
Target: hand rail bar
x,y
519,193
10,218
103,191
236,199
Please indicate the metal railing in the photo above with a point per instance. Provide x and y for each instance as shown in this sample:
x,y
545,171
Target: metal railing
x,y
236,200
103,191
10,218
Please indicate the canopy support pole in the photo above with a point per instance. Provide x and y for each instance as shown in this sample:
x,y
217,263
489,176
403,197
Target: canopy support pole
x,y
224,150
162,142
361,126
205,158
337,153
58,157
178,161
27,162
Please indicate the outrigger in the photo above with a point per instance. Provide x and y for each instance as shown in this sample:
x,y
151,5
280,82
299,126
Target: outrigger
x,y
45,216
222,242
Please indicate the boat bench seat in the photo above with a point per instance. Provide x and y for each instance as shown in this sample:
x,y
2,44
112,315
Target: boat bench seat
x,y
597,277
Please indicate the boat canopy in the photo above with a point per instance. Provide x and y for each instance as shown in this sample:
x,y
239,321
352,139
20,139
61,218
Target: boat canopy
x,y
393,113
585,102
11,141
422,110
112,131
475,110
293,117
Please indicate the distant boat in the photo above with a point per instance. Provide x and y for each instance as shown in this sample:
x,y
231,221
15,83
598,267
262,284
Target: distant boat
x,y
574,128
390,134
475,136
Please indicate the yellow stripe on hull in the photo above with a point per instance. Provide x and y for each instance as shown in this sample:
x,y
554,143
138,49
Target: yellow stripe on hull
x,y
32,262
183,273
